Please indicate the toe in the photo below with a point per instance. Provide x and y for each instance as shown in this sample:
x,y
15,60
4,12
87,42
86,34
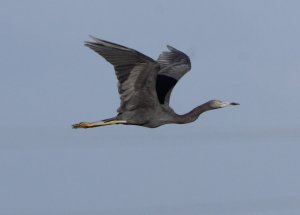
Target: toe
x,y
80,125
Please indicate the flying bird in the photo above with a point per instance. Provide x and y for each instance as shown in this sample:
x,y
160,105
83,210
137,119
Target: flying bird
x,y
145,86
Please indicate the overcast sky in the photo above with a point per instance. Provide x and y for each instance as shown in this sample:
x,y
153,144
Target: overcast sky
x,y
238,160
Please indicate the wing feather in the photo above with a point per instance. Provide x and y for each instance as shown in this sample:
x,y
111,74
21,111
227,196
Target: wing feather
x,y
174,64
136,73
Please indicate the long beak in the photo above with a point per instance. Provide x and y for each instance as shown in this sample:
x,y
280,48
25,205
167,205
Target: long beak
x,y
226,104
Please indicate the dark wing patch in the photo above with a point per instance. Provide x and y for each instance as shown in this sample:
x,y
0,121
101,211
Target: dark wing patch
x,y
174,64
163,85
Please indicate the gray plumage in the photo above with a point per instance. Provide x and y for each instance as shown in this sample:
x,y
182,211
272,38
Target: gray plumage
x,y
145,86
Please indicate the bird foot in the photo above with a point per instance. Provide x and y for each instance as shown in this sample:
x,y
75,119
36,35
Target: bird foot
x,y
82,125
98,123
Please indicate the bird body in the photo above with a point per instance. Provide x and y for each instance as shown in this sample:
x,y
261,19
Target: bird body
x,y
145,86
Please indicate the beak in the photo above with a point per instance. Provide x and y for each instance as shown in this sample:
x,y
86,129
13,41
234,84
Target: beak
x,y
225,104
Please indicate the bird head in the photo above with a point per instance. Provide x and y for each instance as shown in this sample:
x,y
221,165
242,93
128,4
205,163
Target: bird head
x,y
214,104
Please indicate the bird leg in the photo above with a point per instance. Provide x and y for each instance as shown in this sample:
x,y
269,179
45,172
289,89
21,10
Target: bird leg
x,y
98,123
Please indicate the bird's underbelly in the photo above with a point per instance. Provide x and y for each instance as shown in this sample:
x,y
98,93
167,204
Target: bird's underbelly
x,y
143,118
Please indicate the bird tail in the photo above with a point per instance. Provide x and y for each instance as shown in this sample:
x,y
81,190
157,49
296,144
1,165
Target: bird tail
x,y
110,121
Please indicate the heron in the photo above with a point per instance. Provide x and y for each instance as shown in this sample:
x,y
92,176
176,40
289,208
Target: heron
x,y
145,86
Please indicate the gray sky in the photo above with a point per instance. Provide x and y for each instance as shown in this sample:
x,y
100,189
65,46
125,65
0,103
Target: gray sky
x,y
240,160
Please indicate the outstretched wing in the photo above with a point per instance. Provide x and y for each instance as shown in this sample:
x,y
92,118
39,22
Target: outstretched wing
x,y
135,71
174,64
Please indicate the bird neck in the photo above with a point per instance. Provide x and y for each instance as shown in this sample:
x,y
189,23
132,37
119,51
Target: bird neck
x,y
193,114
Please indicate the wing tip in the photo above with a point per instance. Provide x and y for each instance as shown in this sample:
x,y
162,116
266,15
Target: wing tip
x,y
105,43
95,38
93,43
171,48
90,44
